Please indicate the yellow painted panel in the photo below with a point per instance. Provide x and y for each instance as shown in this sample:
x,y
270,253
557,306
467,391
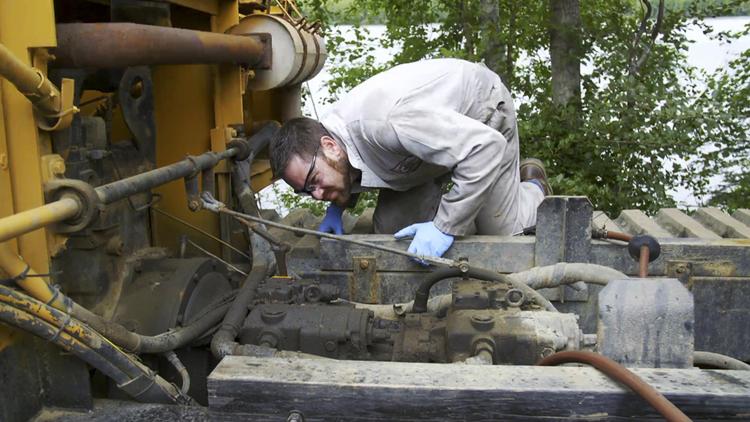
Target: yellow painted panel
x,y
183,106
24,25
6,197
28,22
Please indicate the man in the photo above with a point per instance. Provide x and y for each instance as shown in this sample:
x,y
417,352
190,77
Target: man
x,y
406,131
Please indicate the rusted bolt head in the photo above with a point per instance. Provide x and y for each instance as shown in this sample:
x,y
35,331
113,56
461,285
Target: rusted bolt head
x,y
57,167
295,416
115,246
547,352
364,264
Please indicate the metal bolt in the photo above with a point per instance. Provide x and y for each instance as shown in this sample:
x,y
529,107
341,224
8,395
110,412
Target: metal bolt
x,y
295,416
194,205
57,167
481,318
330,346
547,352
364,264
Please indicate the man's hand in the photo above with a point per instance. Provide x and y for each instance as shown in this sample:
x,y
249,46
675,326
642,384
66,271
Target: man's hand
x,y
332,222
428,240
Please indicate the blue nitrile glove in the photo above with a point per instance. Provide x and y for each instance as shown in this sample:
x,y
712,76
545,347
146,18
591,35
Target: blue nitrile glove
x,y
332,222
428,240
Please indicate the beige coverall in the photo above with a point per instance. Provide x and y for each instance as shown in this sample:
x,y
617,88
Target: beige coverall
x,y
417,125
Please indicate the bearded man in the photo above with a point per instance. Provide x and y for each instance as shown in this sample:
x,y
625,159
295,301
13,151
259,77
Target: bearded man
x,y
407,132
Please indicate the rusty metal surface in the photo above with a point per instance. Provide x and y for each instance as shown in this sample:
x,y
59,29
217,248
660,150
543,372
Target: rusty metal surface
x,y
716,270
111,45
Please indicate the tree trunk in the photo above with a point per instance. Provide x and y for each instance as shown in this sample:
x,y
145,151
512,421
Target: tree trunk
x,y
565,47
492,46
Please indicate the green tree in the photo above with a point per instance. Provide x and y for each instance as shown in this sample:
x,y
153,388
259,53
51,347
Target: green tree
x,y
647,122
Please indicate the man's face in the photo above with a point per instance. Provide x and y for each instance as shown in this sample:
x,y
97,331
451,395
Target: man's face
x,y
326,174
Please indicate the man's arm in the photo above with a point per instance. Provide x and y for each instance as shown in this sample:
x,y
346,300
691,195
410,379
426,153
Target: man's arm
x,y
471,149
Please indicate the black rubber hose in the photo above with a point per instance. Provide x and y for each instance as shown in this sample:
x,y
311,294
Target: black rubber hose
x,y
182,336
138,381
46,331
223,343
137,343
423,291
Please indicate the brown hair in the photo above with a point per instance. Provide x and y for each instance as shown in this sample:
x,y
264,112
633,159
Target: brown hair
x,y
300,137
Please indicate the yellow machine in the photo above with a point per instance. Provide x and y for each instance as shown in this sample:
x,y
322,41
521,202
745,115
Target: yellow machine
x,y
94,92
139,280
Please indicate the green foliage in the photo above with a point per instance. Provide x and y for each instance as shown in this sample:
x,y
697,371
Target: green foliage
x,y
643,128
290,200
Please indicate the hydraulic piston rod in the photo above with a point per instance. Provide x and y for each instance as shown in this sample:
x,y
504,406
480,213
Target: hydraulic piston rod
x,y
112,45
65,208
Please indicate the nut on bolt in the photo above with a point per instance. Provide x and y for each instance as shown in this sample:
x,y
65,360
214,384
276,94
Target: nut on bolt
x,y
295,416
364,264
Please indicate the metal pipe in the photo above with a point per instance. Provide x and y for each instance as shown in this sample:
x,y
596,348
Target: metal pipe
x,y
36,218
618,236
643,262
180,368
112,45
620,374
30,82
120,189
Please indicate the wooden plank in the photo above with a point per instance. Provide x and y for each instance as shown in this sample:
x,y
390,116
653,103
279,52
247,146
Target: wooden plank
x,y
637,222
723,224
269,388
601,220
683,226
742,215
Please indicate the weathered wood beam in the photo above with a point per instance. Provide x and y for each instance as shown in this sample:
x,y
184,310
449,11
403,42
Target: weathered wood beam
x,y
246,388
683,226
722,223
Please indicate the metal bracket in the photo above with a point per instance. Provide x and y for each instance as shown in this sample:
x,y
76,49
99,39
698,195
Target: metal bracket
x,y
563,234
194,189
685,271
67,110
265,39
364,283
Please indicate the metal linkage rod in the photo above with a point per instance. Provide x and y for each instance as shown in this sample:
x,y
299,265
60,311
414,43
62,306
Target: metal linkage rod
x,y
120,189
212,204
